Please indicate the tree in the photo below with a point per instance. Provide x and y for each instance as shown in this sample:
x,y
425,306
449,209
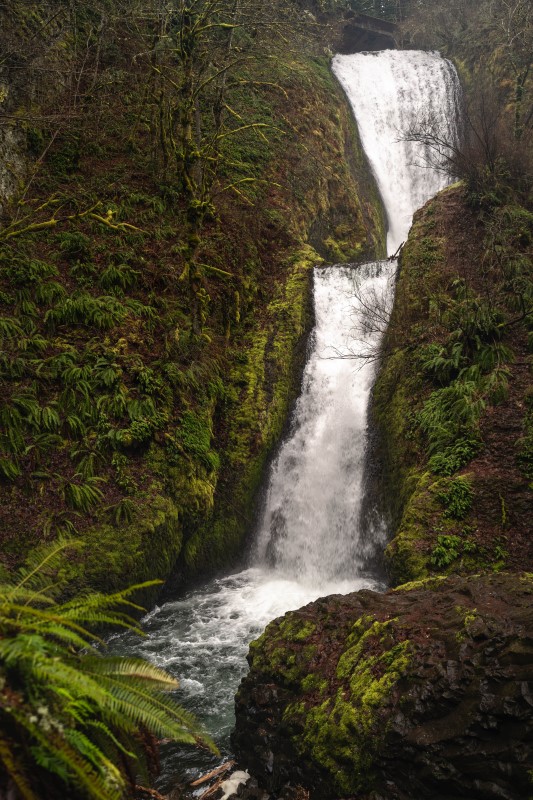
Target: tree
x,y
515,19
71,718
205,53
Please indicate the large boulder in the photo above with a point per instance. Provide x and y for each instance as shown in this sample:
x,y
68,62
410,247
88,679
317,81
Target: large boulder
x,y
421,692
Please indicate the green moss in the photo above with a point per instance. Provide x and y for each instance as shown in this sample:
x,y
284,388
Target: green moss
x,y
406,557
344,734
314,683
144,549
294,630
422,583
195,435
336,721
468,616
273,652
266,374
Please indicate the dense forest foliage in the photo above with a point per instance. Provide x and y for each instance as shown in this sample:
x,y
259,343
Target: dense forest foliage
x,y
171,172
155,268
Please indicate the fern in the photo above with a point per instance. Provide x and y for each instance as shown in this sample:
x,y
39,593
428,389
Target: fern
x,y
48,293
33,343
75,425
87,460
123,511
115,404
457,498
58,524
75,246
44,442
450,411
13,368
23,272
24,305
141,310
443,363
9,469
106,374
10,328
83,309
83,495
66,709
122,276
50,419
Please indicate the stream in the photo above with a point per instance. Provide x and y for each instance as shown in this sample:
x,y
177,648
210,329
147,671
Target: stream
x,y
310,540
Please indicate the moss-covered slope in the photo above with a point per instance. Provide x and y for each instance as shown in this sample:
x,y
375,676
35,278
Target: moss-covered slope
x,y
453,400
121,425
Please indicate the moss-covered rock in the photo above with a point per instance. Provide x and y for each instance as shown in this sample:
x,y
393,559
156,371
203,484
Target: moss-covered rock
x,y
415,693
145,548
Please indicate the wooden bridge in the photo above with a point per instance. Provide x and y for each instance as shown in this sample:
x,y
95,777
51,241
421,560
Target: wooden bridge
x,y
361,32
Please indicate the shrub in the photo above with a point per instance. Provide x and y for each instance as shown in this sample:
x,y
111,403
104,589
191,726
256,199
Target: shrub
x,y
446,550
75,246
452,458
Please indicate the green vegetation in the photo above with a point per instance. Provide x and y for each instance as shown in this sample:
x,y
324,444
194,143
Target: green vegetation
x,y
457,457
457,498
335,719
154,277
343,733
186,171
467,358
466,363
72,718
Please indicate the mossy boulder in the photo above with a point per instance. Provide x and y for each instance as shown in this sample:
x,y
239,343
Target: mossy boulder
x,y
424,692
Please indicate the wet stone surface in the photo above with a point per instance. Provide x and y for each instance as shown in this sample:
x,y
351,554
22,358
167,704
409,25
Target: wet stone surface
x,y
420,693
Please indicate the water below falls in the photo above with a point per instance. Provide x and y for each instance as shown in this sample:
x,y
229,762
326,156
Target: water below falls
x,y
310,541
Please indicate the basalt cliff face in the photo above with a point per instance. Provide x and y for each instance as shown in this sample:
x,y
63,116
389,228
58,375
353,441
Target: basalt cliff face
x,y
453,399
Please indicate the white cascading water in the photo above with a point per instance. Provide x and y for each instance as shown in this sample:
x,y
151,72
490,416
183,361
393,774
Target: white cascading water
x,y
309,541
310,528
391,93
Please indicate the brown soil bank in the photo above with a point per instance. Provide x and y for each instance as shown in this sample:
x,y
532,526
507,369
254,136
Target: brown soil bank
x,y
453,399
423,692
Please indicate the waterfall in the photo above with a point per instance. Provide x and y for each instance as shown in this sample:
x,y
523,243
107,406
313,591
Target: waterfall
x,y
392,92
309,541
310,527
310,523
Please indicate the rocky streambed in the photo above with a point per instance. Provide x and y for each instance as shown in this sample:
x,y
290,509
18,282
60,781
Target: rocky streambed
x,y
422,692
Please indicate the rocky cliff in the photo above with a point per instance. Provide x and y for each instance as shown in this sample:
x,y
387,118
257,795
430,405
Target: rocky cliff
x,y
420,693
453,399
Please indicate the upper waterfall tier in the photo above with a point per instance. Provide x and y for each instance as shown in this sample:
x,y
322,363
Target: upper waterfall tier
x,y
392,92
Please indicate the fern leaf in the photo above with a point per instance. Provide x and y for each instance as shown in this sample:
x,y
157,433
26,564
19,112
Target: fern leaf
x,y
15,770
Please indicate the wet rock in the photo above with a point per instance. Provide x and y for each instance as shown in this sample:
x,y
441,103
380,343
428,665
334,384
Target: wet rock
x,y
422,692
